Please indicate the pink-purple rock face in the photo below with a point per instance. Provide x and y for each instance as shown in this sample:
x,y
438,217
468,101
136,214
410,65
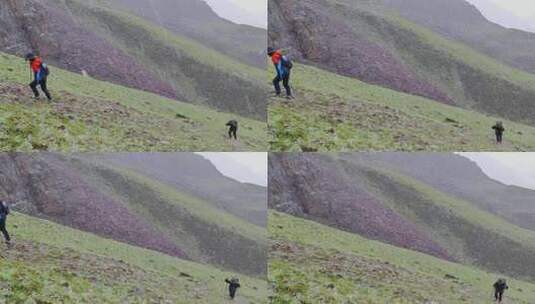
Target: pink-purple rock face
x,y
445,51
46,187
315,34
312,186
431,203
112,44
94,194
62,41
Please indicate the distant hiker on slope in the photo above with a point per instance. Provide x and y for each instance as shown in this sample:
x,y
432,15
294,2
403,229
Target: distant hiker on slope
x,y
283,65
499,288
499,129
4,211
233,129
40,73
233,285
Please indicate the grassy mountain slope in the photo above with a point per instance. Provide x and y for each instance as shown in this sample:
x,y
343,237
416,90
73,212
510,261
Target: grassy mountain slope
x,y
471,235
117,46
205,233
366,40
198,73
50,263
193,174
126,206
369,41
362,196
90,115
198,21
462,178
333,112
312,263
461,21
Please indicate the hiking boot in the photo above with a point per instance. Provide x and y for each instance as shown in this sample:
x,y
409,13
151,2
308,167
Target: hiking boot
x,y
289,97
37,97
9,244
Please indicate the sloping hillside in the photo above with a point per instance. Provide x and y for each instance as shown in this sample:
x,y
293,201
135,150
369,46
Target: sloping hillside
x,y
460,21
312,186
356,195
460,177
91,115
337,113
85,194
117,46
195,175
195,19
312,263
388,50
50,263
366,40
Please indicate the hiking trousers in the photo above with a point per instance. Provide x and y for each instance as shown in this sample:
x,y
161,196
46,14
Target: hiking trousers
x,y
232,132
3,229
42,84
285,82
498,295
232,292
499,137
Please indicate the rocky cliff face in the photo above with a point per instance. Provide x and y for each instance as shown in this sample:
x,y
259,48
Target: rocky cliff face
x,y
164,54
331,37
45,27
43,186
407,46
376,196
85,193
313,187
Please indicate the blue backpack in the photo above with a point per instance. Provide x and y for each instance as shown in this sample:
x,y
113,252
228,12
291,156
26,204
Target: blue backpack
x,y
287,62
45,69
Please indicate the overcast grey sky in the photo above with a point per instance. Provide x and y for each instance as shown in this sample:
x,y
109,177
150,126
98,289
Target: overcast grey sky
x,y
246,167
522,8
508,168
519,14
251,12
516,169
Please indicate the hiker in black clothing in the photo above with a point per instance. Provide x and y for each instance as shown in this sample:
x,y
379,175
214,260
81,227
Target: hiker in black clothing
x,y
233,285
283,65
4,211
233,129
40,73
499,287
499,129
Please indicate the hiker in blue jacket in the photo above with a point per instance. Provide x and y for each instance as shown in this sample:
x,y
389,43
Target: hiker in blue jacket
x,y
283,66
40,74
4,211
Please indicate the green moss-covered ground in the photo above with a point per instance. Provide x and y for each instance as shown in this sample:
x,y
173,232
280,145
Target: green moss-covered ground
x,y
91,115
336,113
50,263
311,263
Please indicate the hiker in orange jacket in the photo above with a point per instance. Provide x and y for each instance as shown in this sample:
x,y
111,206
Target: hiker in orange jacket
x,y
40,74
283,66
